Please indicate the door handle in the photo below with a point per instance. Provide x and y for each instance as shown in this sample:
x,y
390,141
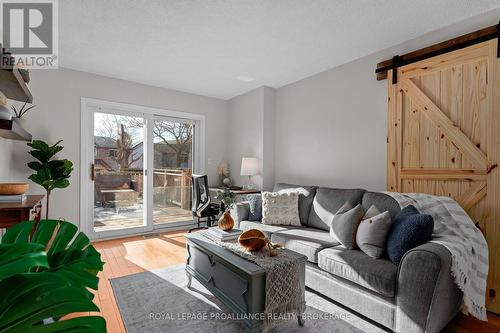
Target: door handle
x,y
92,172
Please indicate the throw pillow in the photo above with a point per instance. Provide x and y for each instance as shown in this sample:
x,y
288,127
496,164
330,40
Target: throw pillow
x,y
280,208
255,203
371,212
409,230
345,223
306,196
372,232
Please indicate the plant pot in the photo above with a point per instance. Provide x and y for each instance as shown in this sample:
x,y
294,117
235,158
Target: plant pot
x,y
25,74
226,221
20,121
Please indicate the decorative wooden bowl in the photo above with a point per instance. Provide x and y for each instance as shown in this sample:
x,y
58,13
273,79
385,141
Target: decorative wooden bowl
x,y
13,188
252,240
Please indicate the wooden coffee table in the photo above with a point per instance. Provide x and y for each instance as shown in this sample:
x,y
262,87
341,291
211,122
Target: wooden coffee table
x,y
240,284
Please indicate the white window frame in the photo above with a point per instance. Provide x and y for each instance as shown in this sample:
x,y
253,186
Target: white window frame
x,y
91,105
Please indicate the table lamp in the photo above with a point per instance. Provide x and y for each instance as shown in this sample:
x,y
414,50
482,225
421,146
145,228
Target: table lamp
x,y
249,167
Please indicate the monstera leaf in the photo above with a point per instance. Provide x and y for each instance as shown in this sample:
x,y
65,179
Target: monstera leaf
x,y
29,299
45,277
73,257
20,258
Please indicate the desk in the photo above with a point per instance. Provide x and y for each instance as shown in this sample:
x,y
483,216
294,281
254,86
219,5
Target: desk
x,y
236,192
240,195
12,213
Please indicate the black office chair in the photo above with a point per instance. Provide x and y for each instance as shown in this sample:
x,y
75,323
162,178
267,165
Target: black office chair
x,y
202,207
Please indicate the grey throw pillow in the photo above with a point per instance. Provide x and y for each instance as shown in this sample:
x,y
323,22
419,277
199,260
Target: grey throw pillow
x,y
345,223
255,203
373,231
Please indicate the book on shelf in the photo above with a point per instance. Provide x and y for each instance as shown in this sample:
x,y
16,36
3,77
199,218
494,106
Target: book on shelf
x,y
225,235
13,198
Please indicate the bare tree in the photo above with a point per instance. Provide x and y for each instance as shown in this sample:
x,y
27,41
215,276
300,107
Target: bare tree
x,y
125,156
108,127
178,136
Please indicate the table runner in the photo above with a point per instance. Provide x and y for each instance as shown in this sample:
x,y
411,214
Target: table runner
x,y
283,289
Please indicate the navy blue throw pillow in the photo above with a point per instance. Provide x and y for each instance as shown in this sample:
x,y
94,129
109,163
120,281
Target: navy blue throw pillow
x,y
409,230
255,201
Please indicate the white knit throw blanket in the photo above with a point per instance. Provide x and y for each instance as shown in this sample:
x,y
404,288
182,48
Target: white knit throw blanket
x,y
283,286
454,229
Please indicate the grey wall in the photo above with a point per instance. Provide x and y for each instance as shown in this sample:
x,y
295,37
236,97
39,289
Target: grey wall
x,y
328,129
331,127
251,134
57,95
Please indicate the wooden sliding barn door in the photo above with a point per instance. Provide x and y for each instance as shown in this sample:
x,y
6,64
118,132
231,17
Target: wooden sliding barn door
x,y
444,138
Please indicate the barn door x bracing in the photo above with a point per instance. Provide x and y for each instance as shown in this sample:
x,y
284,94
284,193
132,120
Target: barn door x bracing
x,y
443,137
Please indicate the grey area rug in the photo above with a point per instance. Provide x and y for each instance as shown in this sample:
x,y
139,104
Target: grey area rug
x,y
159,301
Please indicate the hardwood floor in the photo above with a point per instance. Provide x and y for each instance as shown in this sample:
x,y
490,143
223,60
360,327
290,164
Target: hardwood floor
x,y
137,254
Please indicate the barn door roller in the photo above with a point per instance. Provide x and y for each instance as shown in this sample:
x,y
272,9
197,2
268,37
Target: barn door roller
x,y
395,64
498,40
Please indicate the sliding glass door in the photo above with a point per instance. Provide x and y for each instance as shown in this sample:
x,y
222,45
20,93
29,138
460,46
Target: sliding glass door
x,y
140,169
173,166
118,172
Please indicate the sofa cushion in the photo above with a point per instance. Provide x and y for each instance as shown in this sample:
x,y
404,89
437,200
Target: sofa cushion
x,y
378,275
280,208
373,231
328,201
306,198
255,205
382,201
265,228
306,241
409,230
345,223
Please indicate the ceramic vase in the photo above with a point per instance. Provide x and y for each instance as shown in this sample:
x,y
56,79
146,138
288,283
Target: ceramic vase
x,y
226,221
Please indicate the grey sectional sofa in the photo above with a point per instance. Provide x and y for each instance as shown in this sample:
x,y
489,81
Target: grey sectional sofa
x,y
419,295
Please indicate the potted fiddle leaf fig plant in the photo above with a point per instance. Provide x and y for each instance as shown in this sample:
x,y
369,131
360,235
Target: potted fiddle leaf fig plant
x,y
46,270
50,173
227,198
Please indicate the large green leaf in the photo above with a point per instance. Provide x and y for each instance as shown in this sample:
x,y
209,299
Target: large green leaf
x,y
30,298
20,258
68,253
35,165
87,324
46,276
61,183
42,151
60,168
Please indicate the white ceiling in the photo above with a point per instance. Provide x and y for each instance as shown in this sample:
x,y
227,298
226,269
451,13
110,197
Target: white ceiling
x,y
202,46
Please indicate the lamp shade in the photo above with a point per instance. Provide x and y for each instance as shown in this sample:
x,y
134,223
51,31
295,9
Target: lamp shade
x,y
249,166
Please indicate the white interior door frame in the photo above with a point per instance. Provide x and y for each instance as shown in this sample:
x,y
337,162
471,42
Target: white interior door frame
x,y
91,105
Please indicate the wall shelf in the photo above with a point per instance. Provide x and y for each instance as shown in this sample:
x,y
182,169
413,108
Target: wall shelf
x,y
10,129
13,86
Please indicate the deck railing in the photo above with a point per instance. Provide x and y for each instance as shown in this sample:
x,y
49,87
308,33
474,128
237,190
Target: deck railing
x,y
170,186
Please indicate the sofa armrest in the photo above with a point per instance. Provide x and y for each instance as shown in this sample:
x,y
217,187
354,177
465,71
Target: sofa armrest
x,y
240,212
427,297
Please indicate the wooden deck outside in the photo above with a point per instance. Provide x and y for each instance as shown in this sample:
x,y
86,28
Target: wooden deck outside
x,y
160,216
